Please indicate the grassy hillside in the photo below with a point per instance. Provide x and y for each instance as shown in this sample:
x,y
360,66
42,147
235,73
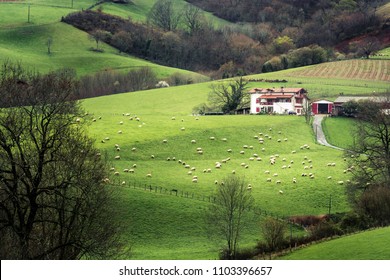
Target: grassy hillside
x,y
369,245
155,109
339,131
27,42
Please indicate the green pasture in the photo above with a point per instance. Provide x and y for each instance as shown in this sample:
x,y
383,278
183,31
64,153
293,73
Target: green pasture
x,y
70,48
138,11
339,131
368,245
155,218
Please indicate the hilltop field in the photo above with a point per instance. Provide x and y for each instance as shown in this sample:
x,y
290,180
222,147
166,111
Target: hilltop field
x,y
162,215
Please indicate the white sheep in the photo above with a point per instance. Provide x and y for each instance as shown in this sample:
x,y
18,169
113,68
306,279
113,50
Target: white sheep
x,y
131,170
266,172
193,141
269,179
278,182
117,157
280,192
195,180
149,175
275,175
134,149
116,173
294,180
212,138
340,182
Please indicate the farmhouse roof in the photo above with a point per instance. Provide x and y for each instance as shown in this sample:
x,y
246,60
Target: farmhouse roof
x,y
275,96
323,101
277,90
343,99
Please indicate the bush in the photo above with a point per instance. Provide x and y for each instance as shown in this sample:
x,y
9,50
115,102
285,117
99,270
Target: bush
x,y
375,203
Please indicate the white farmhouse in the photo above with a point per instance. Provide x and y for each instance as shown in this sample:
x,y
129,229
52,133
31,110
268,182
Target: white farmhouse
x,y
278,100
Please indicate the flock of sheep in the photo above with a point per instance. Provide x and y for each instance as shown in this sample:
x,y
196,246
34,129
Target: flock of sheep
x,y
257,153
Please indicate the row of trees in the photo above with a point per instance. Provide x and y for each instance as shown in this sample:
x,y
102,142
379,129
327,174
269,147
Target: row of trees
x,y
193,43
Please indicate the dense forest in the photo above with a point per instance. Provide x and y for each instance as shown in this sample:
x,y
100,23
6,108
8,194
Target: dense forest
x,y
266,35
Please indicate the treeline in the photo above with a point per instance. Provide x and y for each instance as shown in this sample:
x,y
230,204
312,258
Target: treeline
x,y
306,22
272,35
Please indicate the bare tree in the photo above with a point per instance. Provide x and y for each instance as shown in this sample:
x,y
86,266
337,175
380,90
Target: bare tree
x,y
98,36
163,15
369,157
193,18
273,231
54,203
228,215
229,96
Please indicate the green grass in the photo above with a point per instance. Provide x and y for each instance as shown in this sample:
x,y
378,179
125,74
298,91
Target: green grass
x,y
339,131
70,48
369,245
155,108
139,9
26,42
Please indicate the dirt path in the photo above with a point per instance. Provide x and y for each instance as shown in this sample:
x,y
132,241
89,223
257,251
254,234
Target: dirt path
x,y
317,127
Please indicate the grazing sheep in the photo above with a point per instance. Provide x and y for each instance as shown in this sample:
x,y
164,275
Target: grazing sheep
x,y
187,166
258,159
200,152
189,173
216,182
275,175
131,170
329,177
245,146
284,167
218,165
294,180
173,118
229,150
193,168
278,182
212,138
103,141
340,182
116,173
112,169
209,170
293,152
266,172
120,122
224,139
125,170
233,171
183,128
251,159
117,157
269,179
280,192
262,149
165,141
152,156
134,165
246,166
118,149
119,131
193,141
123,183
195,180
134,149
242,152
149,175
168,159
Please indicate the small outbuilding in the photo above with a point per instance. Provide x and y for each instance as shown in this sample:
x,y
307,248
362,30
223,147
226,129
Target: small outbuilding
x,y
322,107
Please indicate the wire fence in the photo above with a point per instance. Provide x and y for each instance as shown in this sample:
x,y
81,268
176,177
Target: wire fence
x,y
185,195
